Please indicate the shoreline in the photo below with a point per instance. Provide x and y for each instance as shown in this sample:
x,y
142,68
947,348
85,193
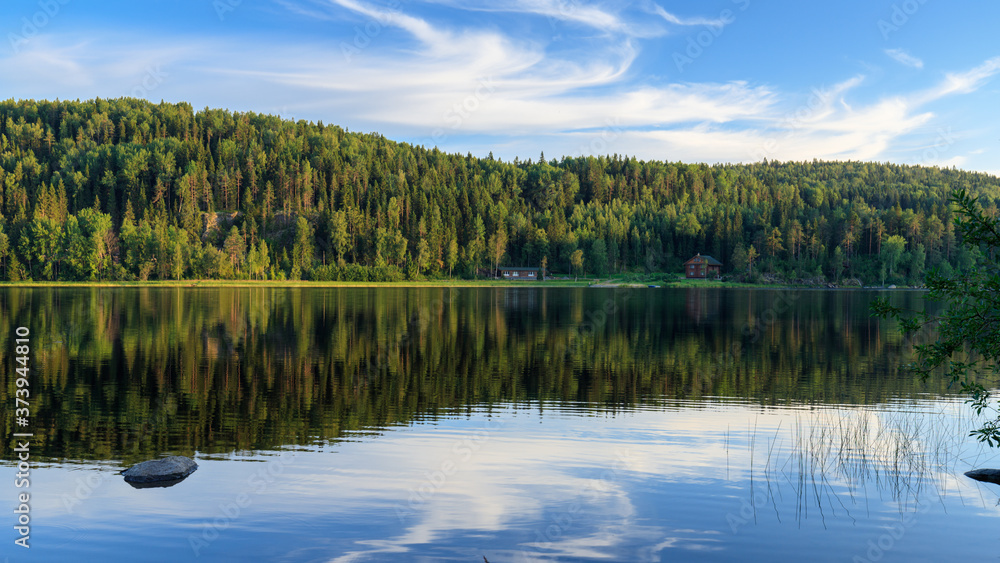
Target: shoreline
x,y
597,283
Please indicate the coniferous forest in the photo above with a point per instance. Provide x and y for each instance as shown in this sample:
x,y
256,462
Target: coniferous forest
x,y
126,189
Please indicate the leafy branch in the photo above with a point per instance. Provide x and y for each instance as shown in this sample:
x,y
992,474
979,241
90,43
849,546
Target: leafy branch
x,y
967,345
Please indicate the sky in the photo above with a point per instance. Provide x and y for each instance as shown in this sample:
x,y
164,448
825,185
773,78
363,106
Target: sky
x,y
902,81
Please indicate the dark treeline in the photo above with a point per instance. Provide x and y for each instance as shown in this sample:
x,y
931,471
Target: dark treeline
x,y
130,373
126,189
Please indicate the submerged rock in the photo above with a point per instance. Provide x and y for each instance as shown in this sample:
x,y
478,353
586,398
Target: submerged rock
x,y
987,475
155,484
161,471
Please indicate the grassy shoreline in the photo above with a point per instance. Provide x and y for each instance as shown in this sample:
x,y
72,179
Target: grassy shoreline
x,y
589,282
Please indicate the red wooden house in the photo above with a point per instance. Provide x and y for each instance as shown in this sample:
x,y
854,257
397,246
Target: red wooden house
x,y
702,267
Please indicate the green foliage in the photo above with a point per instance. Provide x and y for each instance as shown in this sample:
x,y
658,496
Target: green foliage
x,y
599,257
741,260
4,246
577,260
967,341
302,250
358,273
339,237
452,255
161,172
235,248
892,252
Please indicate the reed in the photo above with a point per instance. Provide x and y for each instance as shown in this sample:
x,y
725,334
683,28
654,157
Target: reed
x,y
833,459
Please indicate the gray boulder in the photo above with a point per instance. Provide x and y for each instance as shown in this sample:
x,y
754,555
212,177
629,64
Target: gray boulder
x,y
173,468
987,475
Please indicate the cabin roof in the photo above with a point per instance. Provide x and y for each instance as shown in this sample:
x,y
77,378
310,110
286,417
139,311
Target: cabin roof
x,y
707,259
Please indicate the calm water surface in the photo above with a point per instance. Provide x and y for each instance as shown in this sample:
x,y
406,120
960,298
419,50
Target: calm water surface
x,y
519,424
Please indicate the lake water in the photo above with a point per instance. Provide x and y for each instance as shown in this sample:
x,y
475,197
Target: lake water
x,y
515,424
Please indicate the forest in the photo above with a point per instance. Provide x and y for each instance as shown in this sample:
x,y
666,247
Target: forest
x,y
126,189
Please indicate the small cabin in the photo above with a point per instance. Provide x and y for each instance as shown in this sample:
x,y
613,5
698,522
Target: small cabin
x,y
702,267
510,273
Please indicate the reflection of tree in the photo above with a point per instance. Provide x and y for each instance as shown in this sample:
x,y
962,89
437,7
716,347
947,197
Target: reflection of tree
x,y
140,371
702,304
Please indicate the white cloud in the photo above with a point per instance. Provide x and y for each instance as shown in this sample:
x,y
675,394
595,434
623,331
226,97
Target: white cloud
x,y
440,42
424,78
658,10
716,121
55,66
309,12
530,90
957,161
962,82
822,126
904,58
599,17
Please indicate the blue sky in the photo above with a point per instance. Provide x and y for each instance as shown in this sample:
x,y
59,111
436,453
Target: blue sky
x,y
912,81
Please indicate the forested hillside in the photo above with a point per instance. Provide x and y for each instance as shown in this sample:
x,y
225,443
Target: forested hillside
x,y
126,189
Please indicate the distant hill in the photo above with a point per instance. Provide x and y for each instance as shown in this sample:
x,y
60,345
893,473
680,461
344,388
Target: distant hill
x,y
128,189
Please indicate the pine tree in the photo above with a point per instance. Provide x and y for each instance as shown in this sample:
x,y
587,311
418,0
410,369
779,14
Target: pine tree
x,y
302,250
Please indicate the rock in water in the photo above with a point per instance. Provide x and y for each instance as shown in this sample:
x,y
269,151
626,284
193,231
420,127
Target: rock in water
x,y
173,468
988,475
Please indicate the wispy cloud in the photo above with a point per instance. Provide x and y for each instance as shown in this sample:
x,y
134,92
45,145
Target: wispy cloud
x,y
91,66
561,98
963,82
828,127
560,10
313,13
904,58
599,17
439,41
512,84
667,16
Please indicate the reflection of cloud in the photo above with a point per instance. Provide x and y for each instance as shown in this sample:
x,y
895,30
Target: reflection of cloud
x,y
600,479
580,504
518,475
